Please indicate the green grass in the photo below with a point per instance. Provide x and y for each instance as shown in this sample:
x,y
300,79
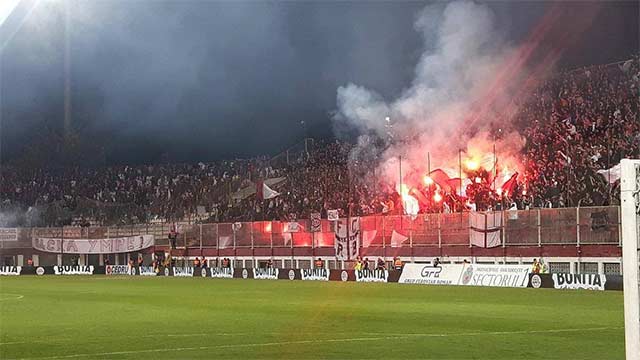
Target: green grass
x,y
102,317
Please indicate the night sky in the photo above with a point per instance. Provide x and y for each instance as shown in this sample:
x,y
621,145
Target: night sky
x,y
203,80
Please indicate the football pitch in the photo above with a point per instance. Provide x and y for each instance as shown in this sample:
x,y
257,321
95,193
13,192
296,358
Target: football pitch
x,y
101,317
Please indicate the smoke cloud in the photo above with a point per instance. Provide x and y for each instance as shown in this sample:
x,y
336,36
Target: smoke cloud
x,y
463,92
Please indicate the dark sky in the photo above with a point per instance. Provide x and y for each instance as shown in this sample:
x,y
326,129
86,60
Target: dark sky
x,y
205,80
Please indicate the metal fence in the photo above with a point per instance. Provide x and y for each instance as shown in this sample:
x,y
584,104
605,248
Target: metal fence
x,y
538,227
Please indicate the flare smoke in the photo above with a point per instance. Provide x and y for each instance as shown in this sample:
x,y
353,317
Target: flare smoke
x,y
464,89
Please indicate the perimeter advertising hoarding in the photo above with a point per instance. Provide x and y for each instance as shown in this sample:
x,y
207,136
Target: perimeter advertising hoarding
x,y
10,270
495,275
466,274
431,275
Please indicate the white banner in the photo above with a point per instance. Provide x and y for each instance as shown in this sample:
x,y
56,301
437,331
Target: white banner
x,y
94,246
315,274
221,273
372,275
579,281
73,270
265,274
347,238
332,215
431,275
8,234
183,271
495,275
10,270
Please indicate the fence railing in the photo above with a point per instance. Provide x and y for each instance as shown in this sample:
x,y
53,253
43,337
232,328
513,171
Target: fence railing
x,y
537,227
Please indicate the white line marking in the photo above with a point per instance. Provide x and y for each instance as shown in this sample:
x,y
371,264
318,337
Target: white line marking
x,y
17,296
299,342
197,334
55,340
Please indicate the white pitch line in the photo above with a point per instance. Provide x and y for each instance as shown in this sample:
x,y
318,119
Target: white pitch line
x,y
299,342
196,334
55,340
17,296
501,332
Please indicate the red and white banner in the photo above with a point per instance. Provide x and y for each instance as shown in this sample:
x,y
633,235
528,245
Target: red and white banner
x,y
94,246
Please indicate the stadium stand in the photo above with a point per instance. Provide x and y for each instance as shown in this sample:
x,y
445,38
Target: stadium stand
x,y
576,123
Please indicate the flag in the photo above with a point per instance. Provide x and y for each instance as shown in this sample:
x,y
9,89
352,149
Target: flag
x,y
611,175
509,186
224,242
397,239
454,184
264,192
442,179
368,236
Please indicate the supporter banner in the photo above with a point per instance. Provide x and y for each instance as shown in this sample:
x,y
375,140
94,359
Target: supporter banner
x,y
10,270
265,274
315,222
315,274
347,241
118,270
448,274
183,271
495,275
579,281
291,226
372,275
73,270
94,246
484,229
221,273
8,234
332,215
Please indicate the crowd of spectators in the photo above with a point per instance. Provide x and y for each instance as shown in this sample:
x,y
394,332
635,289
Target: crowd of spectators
x,y
576,123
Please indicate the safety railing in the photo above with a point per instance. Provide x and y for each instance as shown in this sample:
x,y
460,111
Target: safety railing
x,y
537,227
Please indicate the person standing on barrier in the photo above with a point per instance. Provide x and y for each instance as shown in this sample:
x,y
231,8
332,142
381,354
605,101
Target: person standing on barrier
x,y
173,238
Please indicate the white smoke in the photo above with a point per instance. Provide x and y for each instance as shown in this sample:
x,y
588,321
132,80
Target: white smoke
x,y
463,87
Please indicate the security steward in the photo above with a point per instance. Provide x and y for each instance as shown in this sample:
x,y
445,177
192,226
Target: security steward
x,y
397,263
